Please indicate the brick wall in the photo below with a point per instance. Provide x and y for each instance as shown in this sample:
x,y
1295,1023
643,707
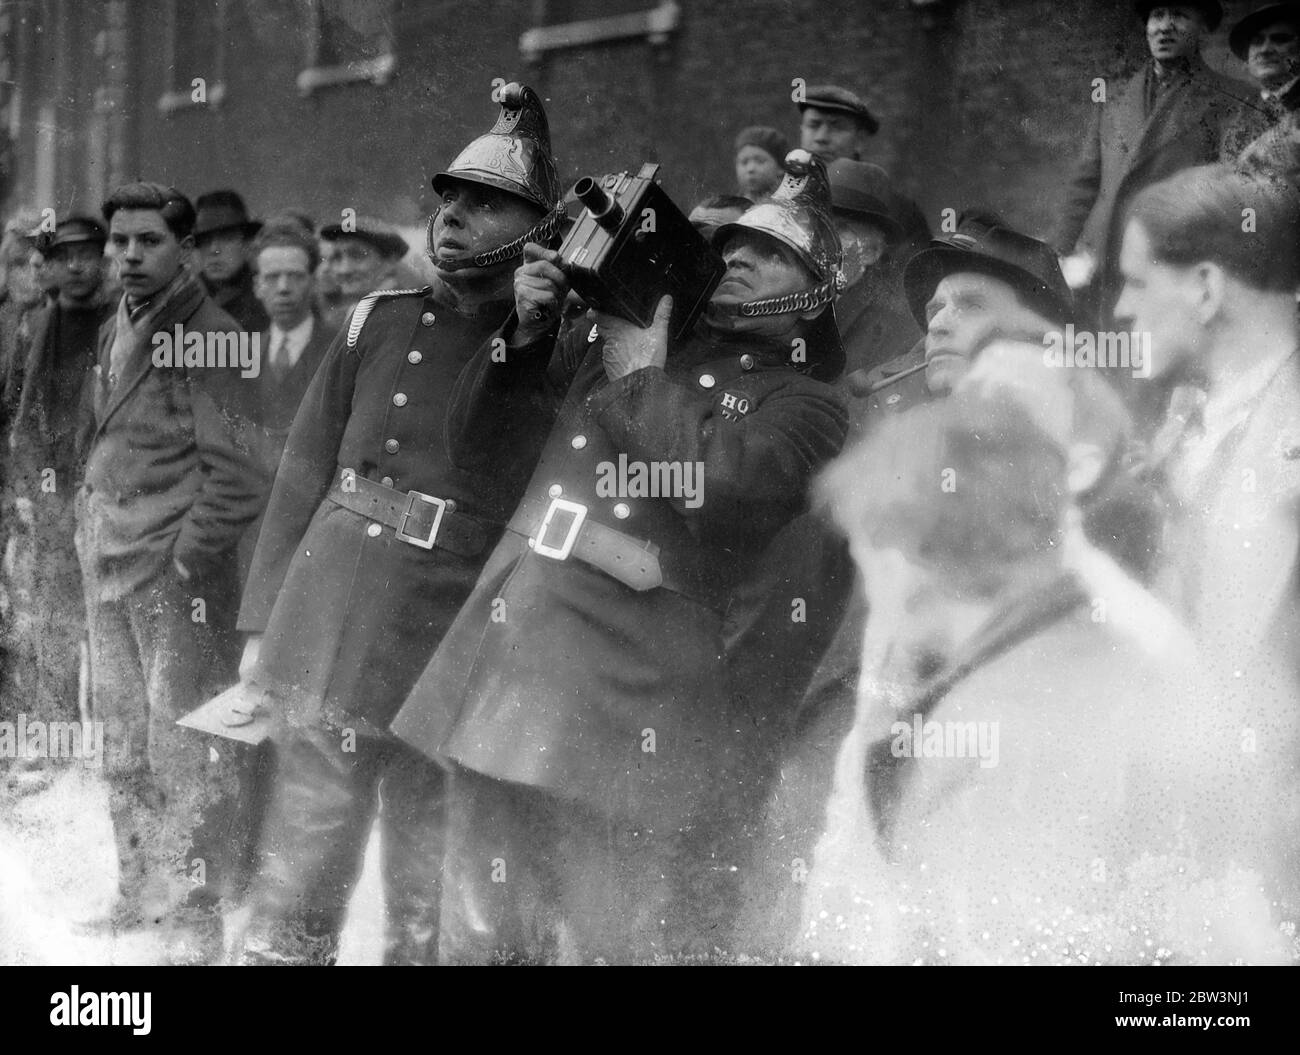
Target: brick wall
x,y
986,107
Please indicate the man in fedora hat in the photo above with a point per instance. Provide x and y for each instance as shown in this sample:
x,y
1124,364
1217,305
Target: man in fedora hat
x,y
580,696
223,233
874,321
372,540
1172,114
1268,41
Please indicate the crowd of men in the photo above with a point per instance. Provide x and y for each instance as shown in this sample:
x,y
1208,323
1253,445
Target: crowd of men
x,y
960,637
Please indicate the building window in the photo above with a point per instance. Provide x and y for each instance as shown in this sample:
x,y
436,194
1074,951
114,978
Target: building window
x,y
583,23
196,54
348,41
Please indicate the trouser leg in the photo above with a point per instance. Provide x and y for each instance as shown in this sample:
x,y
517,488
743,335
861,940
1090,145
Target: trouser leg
x,y
318,820
501,896
413,821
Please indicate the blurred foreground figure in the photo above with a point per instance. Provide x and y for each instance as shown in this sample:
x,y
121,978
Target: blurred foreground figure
x,y
1026,781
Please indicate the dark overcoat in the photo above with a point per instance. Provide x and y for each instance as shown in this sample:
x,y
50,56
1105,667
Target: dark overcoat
x,y
351,618
560,676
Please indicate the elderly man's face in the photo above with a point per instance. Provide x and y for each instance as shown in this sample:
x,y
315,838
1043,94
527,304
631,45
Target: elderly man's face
x,y
1274,55
1174,32
831,134
967,309
1159,299
359,267
758,267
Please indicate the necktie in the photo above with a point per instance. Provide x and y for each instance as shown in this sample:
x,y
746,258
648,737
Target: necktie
x,y
280,357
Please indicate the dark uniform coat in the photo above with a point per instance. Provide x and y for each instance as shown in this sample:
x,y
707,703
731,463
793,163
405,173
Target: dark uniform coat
x,y
350,617
560,676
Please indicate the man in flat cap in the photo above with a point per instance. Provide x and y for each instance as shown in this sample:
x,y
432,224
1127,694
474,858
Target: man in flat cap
x,y
45,469
1172,114
223,233
365,255
373,538
1268,42
836,124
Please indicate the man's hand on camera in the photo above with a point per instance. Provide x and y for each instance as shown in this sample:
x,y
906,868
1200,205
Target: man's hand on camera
x,y
628,347
540,289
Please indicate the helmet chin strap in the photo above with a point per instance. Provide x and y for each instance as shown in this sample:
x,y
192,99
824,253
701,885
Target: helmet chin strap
x,y
800,302
541,232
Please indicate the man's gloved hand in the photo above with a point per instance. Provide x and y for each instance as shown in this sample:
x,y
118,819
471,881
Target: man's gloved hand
x,y
628,347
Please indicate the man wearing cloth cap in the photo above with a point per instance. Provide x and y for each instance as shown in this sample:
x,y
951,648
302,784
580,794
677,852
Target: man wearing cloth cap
x,y
223,233
367,255
1268,41
1172,114
836,124
372,540
979,284
581,693
45,467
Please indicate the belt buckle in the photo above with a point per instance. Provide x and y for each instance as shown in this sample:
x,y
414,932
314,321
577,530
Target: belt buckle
x,y
415,540
562,551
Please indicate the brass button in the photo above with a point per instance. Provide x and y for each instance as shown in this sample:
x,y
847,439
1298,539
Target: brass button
x,y
747,362
392,446
555,490
891,400
399,399
578,442
450,505
373,530
428,318
413,356
387,481
707,381
622,511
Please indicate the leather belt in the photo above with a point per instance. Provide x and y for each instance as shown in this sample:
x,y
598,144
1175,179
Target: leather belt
x,y
417,519
566,531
